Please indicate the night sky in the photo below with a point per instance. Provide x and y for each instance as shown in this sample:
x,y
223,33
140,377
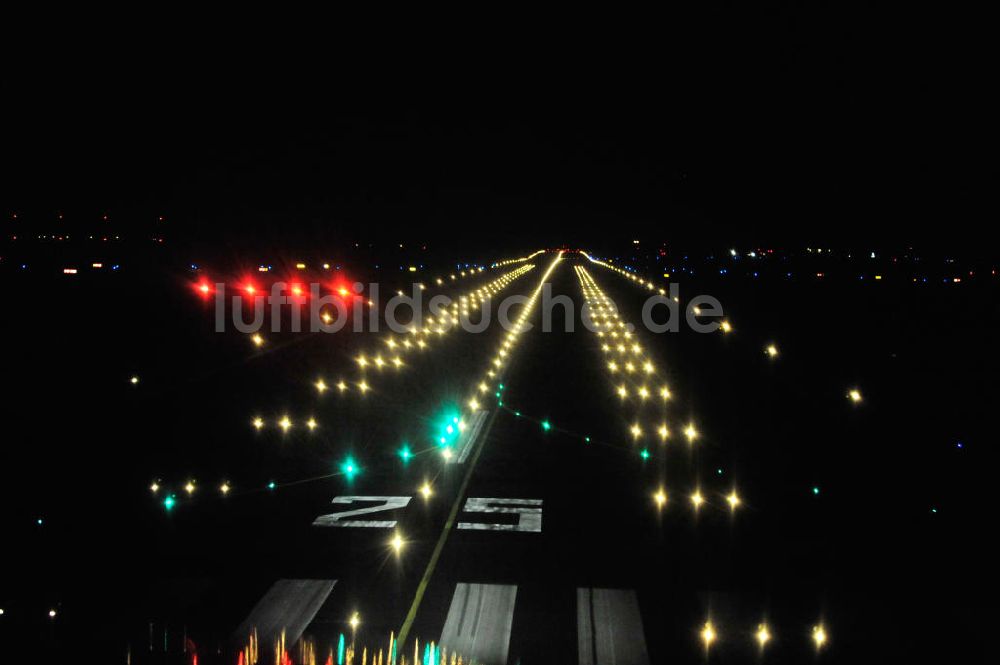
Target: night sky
x,y
779,127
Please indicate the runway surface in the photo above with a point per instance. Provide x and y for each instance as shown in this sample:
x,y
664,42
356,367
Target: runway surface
x,y
562,525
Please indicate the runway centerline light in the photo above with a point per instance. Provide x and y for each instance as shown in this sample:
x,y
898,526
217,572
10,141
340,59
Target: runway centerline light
x,y
349,468
763,635
708,635
691,433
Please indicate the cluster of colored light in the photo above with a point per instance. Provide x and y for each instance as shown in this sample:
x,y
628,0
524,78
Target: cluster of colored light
x,y
644,283
632,370
709,635
503,354
284,423
698,499
189,487
449,319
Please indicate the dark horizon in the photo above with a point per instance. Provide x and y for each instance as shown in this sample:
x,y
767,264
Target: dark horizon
x,y
810,154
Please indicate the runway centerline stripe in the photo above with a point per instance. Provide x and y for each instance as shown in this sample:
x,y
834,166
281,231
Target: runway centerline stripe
x,y
470,436
452,515
422,587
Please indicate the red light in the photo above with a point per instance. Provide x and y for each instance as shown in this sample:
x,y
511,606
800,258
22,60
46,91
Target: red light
x,y
203,288
251,289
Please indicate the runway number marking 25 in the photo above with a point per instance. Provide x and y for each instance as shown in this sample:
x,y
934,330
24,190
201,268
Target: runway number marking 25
x,y
528,511
387,503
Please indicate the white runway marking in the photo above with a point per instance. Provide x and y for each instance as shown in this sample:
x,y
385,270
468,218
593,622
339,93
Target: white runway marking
x,y
388,503
471,435
529,512
479,622
609,628
289,605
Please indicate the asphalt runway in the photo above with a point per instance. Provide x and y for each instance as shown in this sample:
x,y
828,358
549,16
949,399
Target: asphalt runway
x,y
541,539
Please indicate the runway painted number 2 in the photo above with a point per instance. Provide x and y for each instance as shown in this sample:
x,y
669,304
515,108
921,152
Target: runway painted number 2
x,y
528,512
385,503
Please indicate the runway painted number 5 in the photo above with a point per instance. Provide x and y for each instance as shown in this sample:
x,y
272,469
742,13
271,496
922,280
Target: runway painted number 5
x,y
529,512
385,503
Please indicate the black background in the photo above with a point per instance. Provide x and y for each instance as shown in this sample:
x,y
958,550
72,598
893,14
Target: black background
x,y
780,126
765,125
